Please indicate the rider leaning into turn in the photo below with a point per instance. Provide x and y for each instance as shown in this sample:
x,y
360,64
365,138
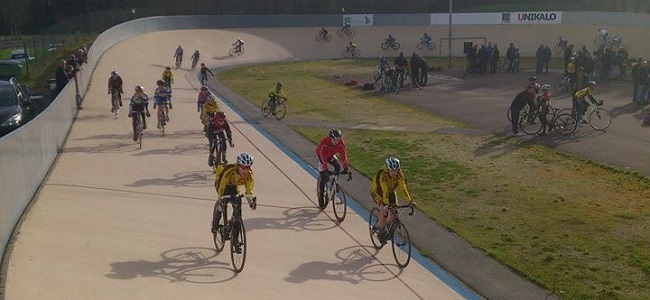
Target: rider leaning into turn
x,y
163,100
115,84
383,189
238,44
139,104
229,178
275,94
580,104
426,39
326,152
219,129
390,40
178,55
195,57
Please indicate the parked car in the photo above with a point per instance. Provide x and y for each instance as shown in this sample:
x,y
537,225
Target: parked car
x,y
9,69
16,106
20,56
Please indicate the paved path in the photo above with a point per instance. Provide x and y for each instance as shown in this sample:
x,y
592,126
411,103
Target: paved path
x,y
116,222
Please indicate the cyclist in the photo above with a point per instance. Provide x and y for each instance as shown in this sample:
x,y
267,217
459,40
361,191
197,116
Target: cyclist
x,y
562,42
219,129
347,27
115,86
229,178
204,74
210,108
543,101
178,55
163,100
275,94
580,104
139,104
202,99
602,32
323,32
383,190
571,71
195,58
168,77
401,64
426,39
390,40
351,47
326,152
520,101
239,43
383,67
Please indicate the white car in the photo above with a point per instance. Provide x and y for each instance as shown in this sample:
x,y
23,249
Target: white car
x,y
20,56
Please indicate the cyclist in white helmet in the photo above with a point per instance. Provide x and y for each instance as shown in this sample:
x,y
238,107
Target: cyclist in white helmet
x,y
383,190
229,178
543,102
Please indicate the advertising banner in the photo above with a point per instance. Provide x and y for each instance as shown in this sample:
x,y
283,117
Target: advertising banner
x,y
358,20
546,17
538,17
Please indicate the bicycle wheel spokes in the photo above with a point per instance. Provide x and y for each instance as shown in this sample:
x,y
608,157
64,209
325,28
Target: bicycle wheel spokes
x,y
373,224
565,124
600,119
238,245
266,110
218,235
280,111
530,124
339,204
401,245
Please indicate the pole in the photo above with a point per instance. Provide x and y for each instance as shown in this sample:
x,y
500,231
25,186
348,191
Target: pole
x,y
450,14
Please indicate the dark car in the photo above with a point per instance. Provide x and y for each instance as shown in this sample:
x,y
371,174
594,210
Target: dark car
x,y
16,108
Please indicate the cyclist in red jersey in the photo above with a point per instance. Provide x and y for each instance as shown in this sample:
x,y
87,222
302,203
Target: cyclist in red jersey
x,y
327,151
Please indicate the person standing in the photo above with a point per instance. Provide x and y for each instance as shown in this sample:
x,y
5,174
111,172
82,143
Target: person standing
x,y
521,100
61,77
494,61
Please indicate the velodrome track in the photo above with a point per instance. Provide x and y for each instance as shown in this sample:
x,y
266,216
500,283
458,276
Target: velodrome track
x,y
115,222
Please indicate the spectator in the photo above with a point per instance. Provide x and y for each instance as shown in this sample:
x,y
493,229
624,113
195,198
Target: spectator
x,y
61,77
516,69
496,57
415,69
639,75
482,59
510,56
400,67
546,57
539,58
424,72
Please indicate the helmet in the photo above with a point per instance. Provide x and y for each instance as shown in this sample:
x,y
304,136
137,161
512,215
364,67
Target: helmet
x,y
220,116
168,68
139,88
203,88
546,87
202,65
280,84
591,83
335,133
114,73
532,78
392,163
160,82
245,159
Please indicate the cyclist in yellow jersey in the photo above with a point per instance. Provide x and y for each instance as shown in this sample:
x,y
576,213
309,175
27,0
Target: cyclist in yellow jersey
x,y
229,178
387,181
210,108
275,94
168,77
580,104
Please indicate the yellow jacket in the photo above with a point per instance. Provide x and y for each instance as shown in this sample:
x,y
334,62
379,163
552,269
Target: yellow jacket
x,y
382,185
209,109
229,175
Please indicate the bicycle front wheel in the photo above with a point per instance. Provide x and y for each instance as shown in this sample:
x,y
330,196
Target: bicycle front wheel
x,y
238,245
373,226
530,124
339,204
319,37
396,46
401,245
384,45
280,111
565,124
266,109
600,119
356,53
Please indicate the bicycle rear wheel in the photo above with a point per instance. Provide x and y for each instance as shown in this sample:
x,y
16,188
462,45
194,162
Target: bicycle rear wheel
x,y
385,45
266,110
401,245
600,119
280,111
530,124
558,85
565,124
339,203
218,235
356,53
238,245
373,225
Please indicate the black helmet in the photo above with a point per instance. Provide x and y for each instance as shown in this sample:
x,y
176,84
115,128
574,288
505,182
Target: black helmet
x,y
532,78
335,133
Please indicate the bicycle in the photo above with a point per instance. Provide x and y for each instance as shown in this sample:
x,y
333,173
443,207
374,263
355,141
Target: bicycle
x,y
163,118
194,63
204,79
351,53
530,121
139,127
597,117
179,60
426,44
395,231
345,30
236,50
560,46
334,192
232,230
275,107
563,84
217,145
390,83
322,36
390,44
115,102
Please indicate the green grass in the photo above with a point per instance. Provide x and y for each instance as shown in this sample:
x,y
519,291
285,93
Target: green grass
x,y
576,227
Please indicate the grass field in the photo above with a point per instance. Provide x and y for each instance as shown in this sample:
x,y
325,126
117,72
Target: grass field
x,y
576,227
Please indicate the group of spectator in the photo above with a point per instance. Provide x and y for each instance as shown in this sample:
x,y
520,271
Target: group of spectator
x,y
68,69
604,63
479,59
417,67
542,57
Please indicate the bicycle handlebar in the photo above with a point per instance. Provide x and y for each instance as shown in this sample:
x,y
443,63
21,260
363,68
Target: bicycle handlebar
x,y
411,206
339,173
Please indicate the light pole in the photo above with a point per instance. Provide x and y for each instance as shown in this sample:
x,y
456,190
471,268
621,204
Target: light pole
x,y
450,14
132,13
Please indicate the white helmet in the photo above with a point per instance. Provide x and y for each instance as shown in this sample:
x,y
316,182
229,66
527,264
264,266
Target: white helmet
x,y
546,87
245,159
392,163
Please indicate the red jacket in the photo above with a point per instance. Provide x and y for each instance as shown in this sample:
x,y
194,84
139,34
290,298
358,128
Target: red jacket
x,y
326,150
